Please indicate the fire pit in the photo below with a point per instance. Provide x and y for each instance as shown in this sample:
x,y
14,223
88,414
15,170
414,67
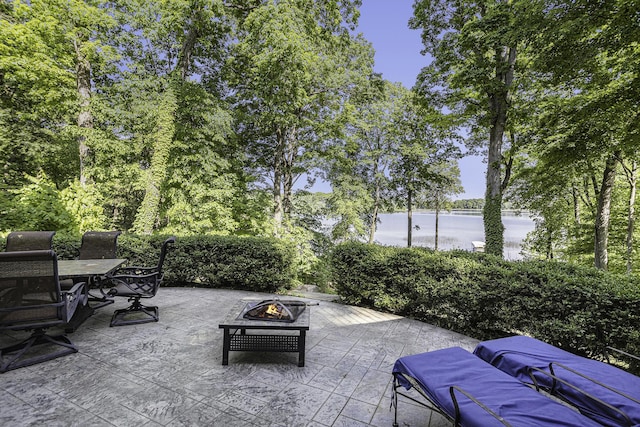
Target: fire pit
x,y
277,325
274,310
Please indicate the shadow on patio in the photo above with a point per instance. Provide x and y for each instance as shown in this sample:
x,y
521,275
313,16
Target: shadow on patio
x,y
170,372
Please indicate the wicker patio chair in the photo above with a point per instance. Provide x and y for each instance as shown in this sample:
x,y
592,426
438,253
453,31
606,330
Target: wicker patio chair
x,y
31,300
135,283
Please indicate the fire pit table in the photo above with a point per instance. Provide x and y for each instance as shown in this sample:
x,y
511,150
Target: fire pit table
x,y
279,319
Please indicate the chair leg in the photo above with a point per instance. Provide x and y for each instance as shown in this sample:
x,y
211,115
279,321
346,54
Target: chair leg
x,y
11,357
149,314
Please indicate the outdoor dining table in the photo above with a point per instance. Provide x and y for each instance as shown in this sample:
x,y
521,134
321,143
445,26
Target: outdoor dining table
x,y
91,270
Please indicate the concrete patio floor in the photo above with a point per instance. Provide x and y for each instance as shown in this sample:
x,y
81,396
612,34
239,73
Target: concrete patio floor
x,y
169,373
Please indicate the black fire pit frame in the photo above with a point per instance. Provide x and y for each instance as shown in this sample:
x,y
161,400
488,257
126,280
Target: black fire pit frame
x,y
236,337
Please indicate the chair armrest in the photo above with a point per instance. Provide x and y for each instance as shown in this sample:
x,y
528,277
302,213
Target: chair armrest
x,y
603,405
136,283
588,378
76,289
125,277
133,270
76,295
452,392
624,353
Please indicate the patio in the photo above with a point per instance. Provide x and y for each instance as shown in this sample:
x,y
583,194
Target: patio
x,y
170,372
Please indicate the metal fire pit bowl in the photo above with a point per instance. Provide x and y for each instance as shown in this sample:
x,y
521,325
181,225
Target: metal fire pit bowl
x,y
274,310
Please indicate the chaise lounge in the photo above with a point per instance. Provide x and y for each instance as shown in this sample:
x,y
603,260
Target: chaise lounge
x,y
470,392
616,392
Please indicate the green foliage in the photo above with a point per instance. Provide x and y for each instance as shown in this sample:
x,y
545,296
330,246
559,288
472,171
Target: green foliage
x,y
85,205
148,213
357,165
250,263
467,204
577,308
266,91
581,102
206,204
37,206
292,68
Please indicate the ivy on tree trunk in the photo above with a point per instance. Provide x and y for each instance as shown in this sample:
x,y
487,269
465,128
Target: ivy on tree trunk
x,y
85,117
148,212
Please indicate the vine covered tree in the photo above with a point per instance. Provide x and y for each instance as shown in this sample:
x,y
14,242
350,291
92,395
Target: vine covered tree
x,y
474,46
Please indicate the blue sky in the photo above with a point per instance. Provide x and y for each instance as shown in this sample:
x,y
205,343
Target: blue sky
x,y
385,24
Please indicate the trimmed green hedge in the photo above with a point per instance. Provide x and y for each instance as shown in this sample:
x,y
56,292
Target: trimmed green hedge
x,y
579,309
250,263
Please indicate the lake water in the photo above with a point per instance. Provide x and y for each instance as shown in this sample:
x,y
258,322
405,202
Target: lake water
x,y
456,231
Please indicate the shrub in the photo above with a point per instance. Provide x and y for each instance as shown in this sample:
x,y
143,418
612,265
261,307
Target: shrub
x,y
577,308
249,263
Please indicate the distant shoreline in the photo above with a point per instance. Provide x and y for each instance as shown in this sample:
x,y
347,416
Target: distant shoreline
x,y
505,212
457,229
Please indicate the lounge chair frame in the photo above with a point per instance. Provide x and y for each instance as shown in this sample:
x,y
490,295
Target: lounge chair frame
x,y
597,389
553,391
455,420
467,391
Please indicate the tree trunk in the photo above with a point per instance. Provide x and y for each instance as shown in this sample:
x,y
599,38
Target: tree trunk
x,y
576,203
188,46
85,117
149,210
374,217
498,105
376,202
603,214
632,176
437,220
409,217
278,172
549,245
289,159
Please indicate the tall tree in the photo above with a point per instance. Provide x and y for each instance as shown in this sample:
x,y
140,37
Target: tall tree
x,y
447,183
587,67
47,46
291,67
366,152
474,46
172,54
422,148
81,27
631,173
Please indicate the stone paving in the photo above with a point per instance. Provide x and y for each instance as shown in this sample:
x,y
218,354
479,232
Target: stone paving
x,y
169,373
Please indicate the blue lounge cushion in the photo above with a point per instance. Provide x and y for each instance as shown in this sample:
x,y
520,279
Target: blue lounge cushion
x,y
514,355
519,404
